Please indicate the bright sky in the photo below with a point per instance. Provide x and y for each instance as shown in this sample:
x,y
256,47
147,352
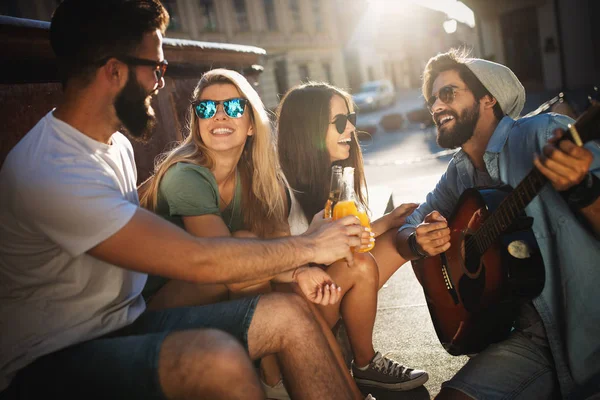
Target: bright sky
x,y
455,9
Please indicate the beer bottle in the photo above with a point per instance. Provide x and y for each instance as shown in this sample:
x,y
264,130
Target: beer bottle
x,y
349,205
335,189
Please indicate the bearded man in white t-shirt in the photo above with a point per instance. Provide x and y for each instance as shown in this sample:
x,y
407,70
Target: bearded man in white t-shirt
x,y
76,249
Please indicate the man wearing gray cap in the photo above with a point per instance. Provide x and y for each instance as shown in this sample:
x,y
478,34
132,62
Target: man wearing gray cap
x,y
554,348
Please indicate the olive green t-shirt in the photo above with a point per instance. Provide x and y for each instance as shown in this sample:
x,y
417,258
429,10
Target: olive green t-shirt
x,y
190,190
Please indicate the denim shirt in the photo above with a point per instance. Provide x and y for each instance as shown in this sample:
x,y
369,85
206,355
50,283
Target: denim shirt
x,y
569,304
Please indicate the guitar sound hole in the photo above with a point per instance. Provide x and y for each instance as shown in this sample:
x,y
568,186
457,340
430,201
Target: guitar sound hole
x,y
471,255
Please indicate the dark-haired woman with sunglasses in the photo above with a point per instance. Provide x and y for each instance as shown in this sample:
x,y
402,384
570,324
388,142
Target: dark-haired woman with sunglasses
x,y
316,127
223,179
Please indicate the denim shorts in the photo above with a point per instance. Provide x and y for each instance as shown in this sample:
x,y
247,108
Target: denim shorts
x,y
516,368
124,364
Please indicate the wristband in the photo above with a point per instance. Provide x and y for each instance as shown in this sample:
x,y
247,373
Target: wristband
x,y
584,193
414,246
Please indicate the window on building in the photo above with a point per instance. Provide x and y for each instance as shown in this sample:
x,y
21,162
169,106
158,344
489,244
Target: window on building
x,y
241,15
328,75
295,14
209,15
281,77
316,6
303,72
175,22
270,14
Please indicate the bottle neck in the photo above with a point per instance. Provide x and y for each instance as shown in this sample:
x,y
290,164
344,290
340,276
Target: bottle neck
x,y
348,186
336,181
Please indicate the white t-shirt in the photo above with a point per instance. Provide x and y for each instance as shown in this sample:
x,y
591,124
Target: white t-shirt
x,y
62,193
296,219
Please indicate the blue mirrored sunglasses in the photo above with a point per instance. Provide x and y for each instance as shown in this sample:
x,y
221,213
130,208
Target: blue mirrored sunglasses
x,y
234,108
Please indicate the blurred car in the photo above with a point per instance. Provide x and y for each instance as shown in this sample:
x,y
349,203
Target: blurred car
x,y
374,95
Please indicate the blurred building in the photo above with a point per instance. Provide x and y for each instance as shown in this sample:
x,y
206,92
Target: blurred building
x,y
300,36
549,44
393,41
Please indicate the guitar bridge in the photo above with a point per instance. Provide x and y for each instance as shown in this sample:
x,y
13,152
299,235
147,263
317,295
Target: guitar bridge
x,y
447,280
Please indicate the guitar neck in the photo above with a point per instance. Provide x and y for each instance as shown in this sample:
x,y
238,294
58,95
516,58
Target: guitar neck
x,y
585,129
511,207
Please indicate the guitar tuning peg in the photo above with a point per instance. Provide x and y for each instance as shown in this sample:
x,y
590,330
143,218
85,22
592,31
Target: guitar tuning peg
x,y
594,97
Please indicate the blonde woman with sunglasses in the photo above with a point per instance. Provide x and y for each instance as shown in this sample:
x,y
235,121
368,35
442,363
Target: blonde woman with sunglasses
x,y
316,126
224,180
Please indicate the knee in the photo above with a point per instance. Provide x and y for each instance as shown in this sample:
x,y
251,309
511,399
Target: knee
x,y
190,352
292,311
211,363
222,351
295,306
365,268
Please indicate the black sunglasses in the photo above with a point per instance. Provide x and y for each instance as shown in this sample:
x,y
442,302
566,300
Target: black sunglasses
x,y
160,67
341,120
234,108
446,96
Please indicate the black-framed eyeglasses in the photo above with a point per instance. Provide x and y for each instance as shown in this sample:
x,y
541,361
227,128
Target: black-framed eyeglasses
x,y
340,121
160,67
206,109
446,95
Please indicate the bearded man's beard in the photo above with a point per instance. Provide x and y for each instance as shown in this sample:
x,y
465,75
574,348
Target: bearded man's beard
x,y
134,110
464,128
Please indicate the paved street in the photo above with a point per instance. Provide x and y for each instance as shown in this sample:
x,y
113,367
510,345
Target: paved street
x,y
407,164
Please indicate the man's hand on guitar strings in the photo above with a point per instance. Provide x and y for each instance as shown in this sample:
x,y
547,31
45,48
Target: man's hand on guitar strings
x,y
564,163
433,234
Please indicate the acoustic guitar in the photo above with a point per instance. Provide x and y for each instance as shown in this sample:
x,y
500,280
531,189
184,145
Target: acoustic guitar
x,y
474,290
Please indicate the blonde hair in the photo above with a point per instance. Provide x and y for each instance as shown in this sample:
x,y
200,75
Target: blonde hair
x,y
262,202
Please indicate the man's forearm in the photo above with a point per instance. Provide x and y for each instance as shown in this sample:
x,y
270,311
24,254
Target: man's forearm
x,y
402,245
149,244
238,260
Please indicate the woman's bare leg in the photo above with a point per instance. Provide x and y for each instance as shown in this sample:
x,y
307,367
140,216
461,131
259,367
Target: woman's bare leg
x,y
358,306
388,259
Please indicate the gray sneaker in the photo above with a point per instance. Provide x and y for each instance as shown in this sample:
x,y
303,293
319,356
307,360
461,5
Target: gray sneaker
x,y
385,373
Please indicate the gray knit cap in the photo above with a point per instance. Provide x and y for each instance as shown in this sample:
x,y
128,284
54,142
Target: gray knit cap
x,y
501,82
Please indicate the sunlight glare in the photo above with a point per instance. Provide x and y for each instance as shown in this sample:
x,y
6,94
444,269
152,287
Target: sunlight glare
x,y
453,8
450,26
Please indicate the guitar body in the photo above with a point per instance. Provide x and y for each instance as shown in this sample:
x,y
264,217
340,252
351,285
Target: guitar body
x,y
473,299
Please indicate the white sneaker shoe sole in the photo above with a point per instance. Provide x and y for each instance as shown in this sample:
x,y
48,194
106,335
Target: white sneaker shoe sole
x,y
397,387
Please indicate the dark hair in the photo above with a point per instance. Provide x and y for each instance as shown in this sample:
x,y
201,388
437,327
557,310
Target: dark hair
x,y
85,32
303,118
455,60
